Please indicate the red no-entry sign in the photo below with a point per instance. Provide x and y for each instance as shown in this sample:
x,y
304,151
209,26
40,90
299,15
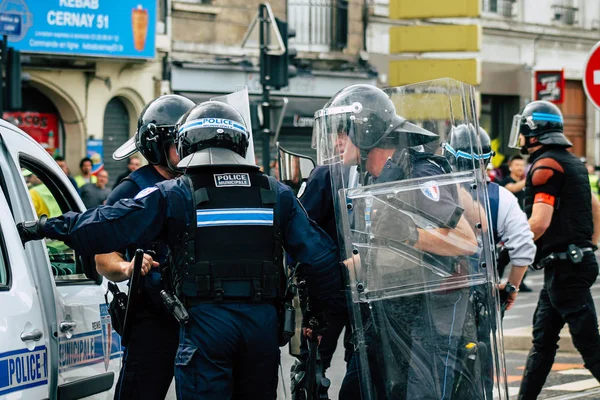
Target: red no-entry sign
x,y
591,76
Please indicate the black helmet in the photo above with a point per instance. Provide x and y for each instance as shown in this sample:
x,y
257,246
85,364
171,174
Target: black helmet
x,y
156,129
370,119
542,120
462,150
212,133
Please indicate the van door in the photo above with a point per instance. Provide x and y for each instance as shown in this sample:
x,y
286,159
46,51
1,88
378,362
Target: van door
x,y
86,347
24,335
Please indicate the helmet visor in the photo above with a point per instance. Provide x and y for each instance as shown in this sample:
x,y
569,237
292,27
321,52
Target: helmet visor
x,y
331,133
126,150
515,130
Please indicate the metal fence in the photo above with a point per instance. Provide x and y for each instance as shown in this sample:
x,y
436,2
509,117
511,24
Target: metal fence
x,y
501,7
321,25
565,13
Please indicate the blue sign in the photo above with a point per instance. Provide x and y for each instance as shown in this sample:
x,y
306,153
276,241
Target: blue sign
x,y
104,28
10,24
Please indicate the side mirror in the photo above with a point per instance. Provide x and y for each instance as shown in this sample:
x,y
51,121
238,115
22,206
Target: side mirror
x,y
294,169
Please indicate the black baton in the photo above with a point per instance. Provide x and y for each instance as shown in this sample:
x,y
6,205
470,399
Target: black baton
x,y
133,296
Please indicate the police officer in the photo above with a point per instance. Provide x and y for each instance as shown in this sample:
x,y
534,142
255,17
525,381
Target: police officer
x,y
388,148
149,360
224,222
558,203
508,225
318,202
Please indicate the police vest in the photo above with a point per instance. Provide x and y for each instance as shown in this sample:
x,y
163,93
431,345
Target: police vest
x,y
494,196
143,177
234,251
572,218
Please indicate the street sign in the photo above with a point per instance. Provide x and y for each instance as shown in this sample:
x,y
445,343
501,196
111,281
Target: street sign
x,y
550,86
10,24
591,78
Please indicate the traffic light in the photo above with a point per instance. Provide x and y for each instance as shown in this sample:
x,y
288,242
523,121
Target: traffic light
x,y
12,92
281,67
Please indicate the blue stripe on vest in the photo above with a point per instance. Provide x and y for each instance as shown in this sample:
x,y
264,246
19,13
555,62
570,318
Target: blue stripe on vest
x,y
234,216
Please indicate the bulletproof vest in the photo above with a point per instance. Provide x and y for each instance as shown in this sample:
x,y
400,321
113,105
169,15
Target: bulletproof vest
x,y
143,177
234,250
494,196
572,221
146,177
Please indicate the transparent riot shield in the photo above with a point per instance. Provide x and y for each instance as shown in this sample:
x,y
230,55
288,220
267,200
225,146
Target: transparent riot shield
x,y
414,236
294,169
241,102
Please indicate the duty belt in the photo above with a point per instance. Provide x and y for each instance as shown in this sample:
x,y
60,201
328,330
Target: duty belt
x,y
574,254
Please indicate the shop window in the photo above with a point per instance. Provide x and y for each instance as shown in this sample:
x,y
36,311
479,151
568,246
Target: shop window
x,y
50,196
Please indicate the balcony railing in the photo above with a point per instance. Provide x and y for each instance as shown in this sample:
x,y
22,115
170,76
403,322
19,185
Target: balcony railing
x,y
500,7
321,25
565,14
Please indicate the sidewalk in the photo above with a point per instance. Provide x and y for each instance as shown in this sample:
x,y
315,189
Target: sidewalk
x,y
520,339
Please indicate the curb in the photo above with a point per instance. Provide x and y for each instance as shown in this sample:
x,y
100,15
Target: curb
x,y
520,339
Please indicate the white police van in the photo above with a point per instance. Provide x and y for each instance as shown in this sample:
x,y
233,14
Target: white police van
x,y
56,339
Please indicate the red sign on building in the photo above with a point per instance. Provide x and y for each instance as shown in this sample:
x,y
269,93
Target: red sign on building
x,y
550,86
43,127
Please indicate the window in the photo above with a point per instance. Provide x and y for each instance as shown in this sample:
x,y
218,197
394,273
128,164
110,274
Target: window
x,y
565,12
50,197
321,25
501,7
4,272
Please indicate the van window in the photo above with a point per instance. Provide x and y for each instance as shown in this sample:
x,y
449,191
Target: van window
x,y
4,283
51,198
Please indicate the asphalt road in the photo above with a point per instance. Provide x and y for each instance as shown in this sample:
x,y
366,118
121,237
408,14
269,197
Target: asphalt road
x,y
568,379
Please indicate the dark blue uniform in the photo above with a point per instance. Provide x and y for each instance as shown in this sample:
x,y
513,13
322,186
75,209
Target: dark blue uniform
x,y
318,202
219,334
149,360
434,352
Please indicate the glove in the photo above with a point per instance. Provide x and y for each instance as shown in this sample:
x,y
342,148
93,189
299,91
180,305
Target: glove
x,y
32,230
391,224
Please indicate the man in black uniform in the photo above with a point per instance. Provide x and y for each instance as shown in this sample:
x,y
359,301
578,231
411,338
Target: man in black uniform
x,y
408,356
318,202
558,203
225,223
149,360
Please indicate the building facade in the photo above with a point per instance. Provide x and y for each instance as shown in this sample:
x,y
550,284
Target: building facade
x,y
88,69
519,38
208,59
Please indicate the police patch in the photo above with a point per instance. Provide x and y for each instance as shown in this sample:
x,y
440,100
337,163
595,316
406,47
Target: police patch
x,y
431,190
145,192
225,180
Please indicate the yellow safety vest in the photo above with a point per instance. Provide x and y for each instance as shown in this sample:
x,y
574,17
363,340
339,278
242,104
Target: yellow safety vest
x,y
594,184
48,198
80,181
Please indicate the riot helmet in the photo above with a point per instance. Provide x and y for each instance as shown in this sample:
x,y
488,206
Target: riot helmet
x,y
212,133
368,116
463,150
156,130
542,120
